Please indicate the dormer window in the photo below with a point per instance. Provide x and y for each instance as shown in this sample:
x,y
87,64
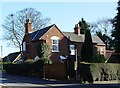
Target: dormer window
x,y
55,44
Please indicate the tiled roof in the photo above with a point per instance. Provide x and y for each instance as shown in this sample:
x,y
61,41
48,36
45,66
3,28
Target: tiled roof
x,y
39,33
81,37
73,37
11,57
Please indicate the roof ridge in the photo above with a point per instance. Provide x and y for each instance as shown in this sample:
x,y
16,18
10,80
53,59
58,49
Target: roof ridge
x,y
43,28
47,26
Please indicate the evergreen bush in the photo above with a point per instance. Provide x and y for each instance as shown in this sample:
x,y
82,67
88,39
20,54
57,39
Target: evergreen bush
x,y
43,51
26,69
98,58
91,72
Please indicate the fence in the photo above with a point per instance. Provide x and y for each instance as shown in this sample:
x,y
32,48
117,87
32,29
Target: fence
x,y
55,71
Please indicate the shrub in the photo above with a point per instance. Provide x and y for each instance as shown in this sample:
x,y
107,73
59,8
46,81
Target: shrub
x,y
29,61
98,72
98,58
105,71
26,69
43,51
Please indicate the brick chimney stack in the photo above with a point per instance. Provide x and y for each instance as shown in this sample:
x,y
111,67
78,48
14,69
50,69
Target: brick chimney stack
x,y
77,29
28,26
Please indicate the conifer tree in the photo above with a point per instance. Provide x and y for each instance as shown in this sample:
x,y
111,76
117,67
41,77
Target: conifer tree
x,y
87,48
84,25
116,31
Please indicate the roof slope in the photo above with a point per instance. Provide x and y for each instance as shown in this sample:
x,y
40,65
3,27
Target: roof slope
x,y
113,58
11,57
73,37
39,33
81,37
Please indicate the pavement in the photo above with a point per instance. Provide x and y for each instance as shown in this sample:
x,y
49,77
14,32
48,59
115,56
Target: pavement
x,y
108,82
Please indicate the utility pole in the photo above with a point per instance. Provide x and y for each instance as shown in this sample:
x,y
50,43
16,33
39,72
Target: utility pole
x,y
1,52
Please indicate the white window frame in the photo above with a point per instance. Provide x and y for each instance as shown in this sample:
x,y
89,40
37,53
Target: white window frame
x,y
101,50
24,46
72,49
55,38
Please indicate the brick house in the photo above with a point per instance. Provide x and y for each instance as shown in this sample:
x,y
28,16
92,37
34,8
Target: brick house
x,y
61,43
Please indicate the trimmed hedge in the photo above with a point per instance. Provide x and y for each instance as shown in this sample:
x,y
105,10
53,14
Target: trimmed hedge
x,y
3,63
25,69
1,66
105,71
98,72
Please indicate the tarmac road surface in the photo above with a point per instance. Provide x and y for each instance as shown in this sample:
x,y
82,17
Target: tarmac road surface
x,y
13,81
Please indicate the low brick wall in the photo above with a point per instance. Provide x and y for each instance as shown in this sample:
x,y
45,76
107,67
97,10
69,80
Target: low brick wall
x,y
55,71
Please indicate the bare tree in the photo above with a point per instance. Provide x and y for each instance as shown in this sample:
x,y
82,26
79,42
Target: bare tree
x,y
14,25
103,25
103,28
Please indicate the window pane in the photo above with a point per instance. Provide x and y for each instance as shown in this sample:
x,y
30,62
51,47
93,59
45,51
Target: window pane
x,y
101,50
24,46
72,47
55,47
55,41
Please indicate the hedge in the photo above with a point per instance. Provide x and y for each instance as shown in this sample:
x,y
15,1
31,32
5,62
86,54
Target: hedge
x,y
98,72
25,69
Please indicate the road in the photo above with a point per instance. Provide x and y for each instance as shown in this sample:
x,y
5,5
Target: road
x,y
13,81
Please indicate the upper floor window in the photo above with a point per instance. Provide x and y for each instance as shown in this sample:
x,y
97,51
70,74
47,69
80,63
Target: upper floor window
x,y
72,49
101,50
24,46
55,44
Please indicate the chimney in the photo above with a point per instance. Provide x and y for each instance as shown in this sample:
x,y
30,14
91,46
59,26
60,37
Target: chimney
x,y
28,26
77,29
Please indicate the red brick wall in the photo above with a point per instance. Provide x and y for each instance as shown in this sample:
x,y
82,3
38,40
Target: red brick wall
x,y
30,52
55,56
63,43
96,48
